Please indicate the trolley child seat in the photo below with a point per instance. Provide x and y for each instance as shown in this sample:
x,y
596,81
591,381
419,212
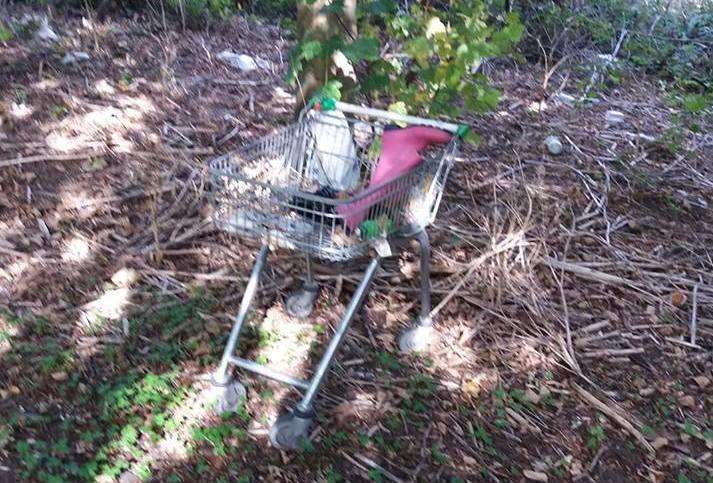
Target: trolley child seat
x,y
339,181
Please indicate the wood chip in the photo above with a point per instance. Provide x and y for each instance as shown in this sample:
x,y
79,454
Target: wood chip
x,y
59,376
535,475
702,381
659,442
687,401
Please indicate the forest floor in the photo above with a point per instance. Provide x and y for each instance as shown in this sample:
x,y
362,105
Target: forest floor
x,y
565,352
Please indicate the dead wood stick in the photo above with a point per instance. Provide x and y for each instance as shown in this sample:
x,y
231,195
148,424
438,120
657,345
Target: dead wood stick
x,y
522,421
614,352
596,275
684,343
214,276
203,227
385,473
594,326
588,273
50,157
593,338
607,410
371,463
694,315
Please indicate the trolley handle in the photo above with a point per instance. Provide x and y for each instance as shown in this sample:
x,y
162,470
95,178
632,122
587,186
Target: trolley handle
x,y
396,117
328,104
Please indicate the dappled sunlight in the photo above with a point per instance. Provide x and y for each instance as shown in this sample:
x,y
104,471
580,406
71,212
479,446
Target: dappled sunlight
x,y
101,123
177,442
76,250
104,88
14,271
75,197
284,344
8,330
363,406
527,358
111,306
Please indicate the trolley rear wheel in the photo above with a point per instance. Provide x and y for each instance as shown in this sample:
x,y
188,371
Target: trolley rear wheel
x,y
290,430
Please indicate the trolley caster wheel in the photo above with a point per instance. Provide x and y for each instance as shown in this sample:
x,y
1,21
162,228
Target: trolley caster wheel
x,y
227,398
290,430
417,339
301,302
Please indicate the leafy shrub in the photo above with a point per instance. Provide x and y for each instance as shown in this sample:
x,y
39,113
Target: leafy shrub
x,y
673,42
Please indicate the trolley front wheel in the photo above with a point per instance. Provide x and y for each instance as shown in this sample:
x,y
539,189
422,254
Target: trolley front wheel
x,y
228,397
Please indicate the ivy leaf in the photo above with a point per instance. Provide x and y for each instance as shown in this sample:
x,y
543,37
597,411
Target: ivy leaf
x,y
420,49
399,108
363,48
472,138
480,98
310,49
510,34
374,82
332,90
379,7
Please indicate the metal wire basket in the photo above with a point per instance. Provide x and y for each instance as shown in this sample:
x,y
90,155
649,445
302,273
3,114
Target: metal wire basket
x,y
273,189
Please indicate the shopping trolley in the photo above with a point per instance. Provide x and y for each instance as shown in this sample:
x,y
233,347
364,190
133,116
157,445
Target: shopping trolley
x,y
281,190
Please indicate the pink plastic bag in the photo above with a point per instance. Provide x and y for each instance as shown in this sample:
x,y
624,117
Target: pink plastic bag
x,y
400,153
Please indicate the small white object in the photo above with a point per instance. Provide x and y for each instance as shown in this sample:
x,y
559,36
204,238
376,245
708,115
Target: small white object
x,y
363,134
382,247
72,57
333,161
243,62
554,145
20,111
565,98
641,136
605,59
614,117
45,32
43,228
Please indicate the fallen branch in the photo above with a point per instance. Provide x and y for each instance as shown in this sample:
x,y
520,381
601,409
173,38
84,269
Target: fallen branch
x,y
607,410
50,157
614,352
589,274
371,464
694,316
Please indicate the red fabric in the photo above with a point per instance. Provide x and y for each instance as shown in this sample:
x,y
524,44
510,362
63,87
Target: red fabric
x,y
400,153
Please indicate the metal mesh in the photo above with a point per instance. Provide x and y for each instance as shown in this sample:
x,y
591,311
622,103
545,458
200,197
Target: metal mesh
x,y
270,189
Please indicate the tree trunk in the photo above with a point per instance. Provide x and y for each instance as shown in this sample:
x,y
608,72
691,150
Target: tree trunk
x,y
314,24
